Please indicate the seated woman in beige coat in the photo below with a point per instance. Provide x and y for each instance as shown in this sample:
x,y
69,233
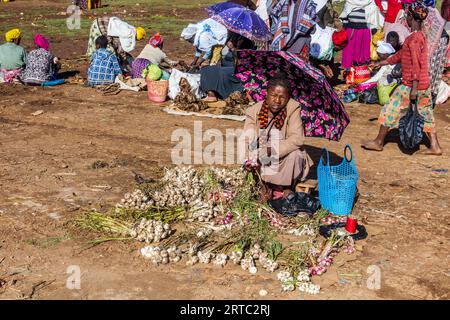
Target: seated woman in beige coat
x,y
274,138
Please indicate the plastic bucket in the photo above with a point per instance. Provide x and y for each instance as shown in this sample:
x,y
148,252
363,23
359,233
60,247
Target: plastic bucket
x,y
157,90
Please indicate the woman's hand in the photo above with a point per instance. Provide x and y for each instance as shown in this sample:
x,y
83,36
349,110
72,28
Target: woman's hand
x,y
326,70
374,65
413,95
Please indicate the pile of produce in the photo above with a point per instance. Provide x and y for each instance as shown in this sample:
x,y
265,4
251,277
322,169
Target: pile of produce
x,y
186,100
218,220
236,104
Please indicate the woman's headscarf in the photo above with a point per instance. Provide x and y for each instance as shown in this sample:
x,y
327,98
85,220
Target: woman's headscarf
x,y
41,41
12,34
140,33
398,28
418,10
340,38
156,40
385,48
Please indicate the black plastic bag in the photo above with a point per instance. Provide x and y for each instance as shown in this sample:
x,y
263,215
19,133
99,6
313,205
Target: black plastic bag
x,y
411,127
369,96
295,203
397,71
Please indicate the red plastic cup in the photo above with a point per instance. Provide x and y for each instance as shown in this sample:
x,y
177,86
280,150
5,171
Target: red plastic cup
x,y
351,224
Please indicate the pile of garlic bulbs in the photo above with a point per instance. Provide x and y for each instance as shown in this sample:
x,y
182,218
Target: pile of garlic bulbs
x,y
287,281
256,253
231,178
203,211
182,186
221,259
303,282
248,263
236,256
150,230
304,230
163,256
135,200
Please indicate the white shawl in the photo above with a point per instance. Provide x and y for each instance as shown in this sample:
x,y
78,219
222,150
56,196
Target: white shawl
x,y
125,32
374,18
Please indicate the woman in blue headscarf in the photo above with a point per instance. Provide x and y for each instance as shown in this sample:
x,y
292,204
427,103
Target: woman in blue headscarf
x,y
208,38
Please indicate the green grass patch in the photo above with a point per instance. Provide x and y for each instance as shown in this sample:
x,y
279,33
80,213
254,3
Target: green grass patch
x,y
48,242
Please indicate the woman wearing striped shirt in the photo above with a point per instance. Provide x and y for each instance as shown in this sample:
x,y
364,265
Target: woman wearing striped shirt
x,y
357,52
415,85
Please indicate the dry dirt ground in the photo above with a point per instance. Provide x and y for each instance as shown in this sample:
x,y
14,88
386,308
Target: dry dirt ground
x,y
46,179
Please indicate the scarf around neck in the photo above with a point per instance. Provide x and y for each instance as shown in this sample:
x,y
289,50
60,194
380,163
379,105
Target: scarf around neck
x,y
278,119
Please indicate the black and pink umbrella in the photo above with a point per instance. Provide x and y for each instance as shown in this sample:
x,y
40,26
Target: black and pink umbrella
x,y
322,112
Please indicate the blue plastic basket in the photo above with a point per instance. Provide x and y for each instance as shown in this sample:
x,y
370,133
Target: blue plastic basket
x,y
337,184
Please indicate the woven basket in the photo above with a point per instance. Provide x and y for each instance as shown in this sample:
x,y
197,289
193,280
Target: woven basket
x,y
157,90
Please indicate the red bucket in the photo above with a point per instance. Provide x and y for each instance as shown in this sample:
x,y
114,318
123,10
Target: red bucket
x,y
157,90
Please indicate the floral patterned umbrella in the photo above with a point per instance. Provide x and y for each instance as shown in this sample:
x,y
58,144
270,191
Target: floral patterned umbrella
x,y
323,114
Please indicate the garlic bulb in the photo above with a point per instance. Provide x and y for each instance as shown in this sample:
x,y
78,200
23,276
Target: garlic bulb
x,y
135,200
193,260
267,263
205,258
158,255
304,230
232,179
248,263
236,257
287,281
303,276
308,287
221,259
150,230
283,275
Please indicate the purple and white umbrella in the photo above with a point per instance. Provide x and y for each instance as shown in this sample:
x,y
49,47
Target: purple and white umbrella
x,y
219,7
244,22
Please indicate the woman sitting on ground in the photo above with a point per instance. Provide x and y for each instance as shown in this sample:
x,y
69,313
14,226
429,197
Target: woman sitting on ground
x,y
274,137
384,51
41,66
104,64
220,82
12,56
121,38
415,85
151,54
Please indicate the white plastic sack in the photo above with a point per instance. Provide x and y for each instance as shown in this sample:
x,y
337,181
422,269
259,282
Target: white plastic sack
x,y
322,43
174,81
374,18
125,32
210,33
443,93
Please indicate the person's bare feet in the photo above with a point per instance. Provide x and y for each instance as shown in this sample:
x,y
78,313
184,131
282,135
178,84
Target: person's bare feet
x,y
210,99
372,145
431,152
